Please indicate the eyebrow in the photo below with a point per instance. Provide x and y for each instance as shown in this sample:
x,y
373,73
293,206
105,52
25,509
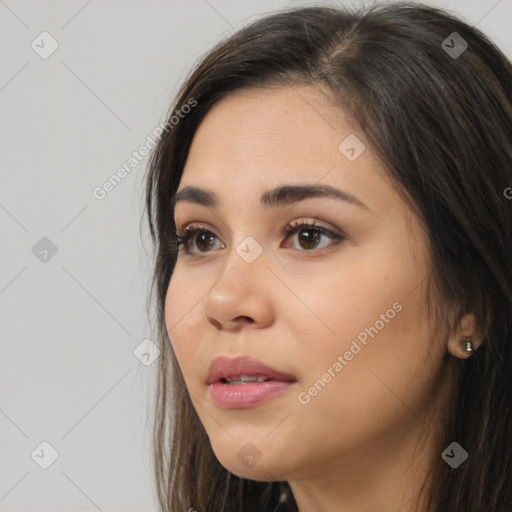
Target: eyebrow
x,y
280,196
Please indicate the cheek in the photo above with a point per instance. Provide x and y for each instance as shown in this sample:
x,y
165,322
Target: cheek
x,y
382,355
360,292
371,313
378,393
182,311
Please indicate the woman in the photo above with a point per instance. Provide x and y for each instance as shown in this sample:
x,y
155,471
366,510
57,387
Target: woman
x,y
333,271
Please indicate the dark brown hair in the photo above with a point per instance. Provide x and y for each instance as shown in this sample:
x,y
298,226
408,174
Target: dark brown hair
x,y
441,125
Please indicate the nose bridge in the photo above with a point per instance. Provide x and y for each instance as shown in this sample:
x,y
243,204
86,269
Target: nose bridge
x,y
245,251
244,266
240,290
249,250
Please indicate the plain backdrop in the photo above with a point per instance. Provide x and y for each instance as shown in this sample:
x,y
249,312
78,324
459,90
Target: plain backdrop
x,y
76,385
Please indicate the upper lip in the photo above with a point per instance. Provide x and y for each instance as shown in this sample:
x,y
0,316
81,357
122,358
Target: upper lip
x,y
225,368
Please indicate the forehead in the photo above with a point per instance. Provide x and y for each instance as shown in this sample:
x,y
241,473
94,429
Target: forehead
x,y
256,139
253,125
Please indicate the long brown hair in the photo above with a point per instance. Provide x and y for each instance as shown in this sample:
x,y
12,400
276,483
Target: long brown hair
x,y
441,124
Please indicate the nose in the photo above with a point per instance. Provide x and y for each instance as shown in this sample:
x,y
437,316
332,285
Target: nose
x,y
241,297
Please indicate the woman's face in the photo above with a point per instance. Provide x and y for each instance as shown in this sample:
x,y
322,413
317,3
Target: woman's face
x,y
339,310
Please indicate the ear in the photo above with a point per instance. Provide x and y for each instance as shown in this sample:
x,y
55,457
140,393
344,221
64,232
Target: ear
x,y
465,327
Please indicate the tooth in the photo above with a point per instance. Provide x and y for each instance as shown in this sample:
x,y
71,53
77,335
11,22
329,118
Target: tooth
x,y
246,378
243,379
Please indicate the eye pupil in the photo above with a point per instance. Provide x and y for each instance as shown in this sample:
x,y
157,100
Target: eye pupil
x,y
204,237
310,237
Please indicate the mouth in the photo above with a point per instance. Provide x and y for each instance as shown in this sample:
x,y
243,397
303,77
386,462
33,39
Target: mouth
x,y
244,379
243,370
244,382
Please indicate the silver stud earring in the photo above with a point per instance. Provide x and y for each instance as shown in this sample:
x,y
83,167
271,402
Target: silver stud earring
x,y
467,345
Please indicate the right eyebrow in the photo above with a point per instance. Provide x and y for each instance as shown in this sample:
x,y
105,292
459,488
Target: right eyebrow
x,y
279,196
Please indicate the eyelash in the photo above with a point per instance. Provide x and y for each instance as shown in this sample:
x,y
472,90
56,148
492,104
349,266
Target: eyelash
x,y
292,228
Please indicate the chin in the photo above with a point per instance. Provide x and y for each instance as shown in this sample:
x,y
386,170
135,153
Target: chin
x,y
248,459
259,472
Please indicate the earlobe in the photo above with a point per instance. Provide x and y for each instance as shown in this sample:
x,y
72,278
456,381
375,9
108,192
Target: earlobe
x,y
466,343
465,338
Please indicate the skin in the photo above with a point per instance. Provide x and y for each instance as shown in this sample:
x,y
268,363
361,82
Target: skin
x,y
363,443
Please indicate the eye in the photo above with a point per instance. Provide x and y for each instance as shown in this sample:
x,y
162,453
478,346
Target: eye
x,y
202,237
310,237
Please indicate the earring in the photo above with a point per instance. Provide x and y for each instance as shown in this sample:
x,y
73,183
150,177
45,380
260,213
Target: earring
x,y
467,344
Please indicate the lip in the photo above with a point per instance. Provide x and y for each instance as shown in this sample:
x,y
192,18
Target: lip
x,y
224,367
242,396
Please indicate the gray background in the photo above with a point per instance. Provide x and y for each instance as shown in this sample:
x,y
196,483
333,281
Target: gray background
x,y
70,323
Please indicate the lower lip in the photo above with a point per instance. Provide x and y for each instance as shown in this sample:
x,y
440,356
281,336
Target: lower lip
x,y
242,396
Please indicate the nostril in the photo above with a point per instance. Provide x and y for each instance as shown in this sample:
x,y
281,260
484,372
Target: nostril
x,y
215,323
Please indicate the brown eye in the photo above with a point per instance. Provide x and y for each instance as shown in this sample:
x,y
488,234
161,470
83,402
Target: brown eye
x,y
204,241
309,238
196,239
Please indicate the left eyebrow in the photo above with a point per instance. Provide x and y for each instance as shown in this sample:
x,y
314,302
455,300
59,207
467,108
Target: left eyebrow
x,y
279,196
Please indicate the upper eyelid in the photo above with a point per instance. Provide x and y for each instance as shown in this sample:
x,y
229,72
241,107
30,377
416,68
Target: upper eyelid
x,y
290,225
194,226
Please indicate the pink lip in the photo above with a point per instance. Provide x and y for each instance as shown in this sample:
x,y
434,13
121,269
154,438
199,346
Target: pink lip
x,y
224,367
241,396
